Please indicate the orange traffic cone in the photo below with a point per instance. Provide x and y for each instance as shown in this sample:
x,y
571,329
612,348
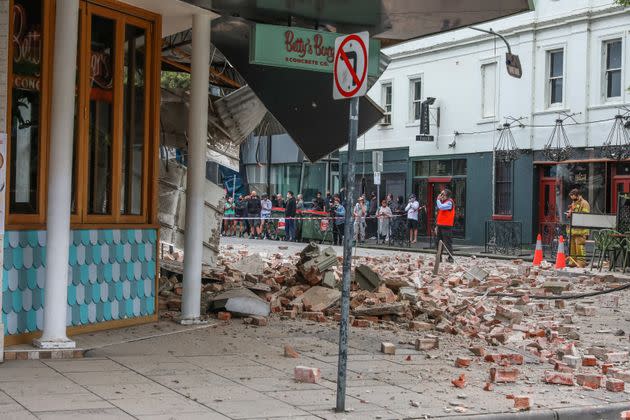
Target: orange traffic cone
x,y
561,261
538,253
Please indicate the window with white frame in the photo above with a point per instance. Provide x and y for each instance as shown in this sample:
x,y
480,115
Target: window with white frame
x,y
555,82
612,68
386,102
489,90
415,97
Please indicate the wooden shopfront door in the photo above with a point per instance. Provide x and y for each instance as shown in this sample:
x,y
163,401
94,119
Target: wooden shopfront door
x,y
548,212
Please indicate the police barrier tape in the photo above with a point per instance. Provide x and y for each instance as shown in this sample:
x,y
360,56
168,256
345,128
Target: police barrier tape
x,y
310,218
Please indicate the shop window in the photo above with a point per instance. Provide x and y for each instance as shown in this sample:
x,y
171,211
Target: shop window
x,y
488,89
458,187
421,168
386,102
28,65
113,113
134,120
503,188
415,96
555,81
441,167
459,166
612,68
101,121
313,180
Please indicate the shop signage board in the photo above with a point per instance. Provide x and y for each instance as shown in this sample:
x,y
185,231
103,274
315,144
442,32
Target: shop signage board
x,y
350,66
300,49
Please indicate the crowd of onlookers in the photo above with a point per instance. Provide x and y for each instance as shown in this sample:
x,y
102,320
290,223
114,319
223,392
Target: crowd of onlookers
x,y
251,215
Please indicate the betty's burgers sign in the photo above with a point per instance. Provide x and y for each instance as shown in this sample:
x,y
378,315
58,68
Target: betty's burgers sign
x,y
298,48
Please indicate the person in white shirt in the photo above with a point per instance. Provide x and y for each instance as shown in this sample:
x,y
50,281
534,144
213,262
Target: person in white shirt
x,y
360,211
383,214
265,213
412,209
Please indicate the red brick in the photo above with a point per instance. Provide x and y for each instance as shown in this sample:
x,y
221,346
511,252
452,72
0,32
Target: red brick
x,y
10,355
427,343
290,313
615,385
503,374
606,367
512,358
420,326
259,321
522,402
460,382
307,374
589,381
563,367
589,360
463,362
314,316
477,351
224,316
559,378
625,415
361,323
290,352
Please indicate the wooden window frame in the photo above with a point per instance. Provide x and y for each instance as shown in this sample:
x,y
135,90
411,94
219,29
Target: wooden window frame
x,y
122,14
38,218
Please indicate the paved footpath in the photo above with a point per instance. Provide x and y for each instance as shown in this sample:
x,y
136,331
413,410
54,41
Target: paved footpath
x,y
229,370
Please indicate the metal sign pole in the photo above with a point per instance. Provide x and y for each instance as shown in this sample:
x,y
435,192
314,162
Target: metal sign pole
x,y
233,188
347,257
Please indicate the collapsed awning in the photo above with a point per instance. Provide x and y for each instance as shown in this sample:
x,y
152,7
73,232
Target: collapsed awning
x,y
301,101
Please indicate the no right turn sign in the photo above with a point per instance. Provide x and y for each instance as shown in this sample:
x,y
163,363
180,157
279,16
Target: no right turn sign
x,y
351,65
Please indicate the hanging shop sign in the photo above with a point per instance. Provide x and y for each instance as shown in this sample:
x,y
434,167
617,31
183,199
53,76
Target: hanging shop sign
x,y
301,49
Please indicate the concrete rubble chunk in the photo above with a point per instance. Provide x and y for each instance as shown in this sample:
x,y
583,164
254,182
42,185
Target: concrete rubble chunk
x,y
239,301
366,278
388,348
318,298
380,309
250,264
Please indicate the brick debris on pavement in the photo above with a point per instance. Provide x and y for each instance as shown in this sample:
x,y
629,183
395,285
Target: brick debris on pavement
x,y
511,318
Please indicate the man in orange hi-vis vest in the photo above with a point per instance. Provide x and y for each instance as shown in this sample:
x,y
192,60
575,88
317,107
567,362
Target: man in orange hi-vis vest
x,y
445,221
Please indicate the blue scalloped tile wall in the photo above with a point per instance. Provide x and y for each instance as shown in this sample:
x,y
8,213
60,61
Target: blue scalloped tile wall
x,y
111,275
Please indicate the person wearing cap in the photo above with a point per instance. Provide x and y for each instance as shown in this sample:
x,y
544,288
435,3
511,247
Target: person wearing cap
x,y
412,209
577,249
360,210
445,221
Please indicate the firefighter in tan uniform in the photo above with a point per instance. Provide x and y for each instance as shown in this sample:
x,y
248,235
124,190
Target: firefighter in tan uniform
x,y
577,250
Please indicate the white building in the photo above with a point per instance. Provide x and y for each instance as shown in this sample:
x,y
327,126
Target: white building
x,y
574,56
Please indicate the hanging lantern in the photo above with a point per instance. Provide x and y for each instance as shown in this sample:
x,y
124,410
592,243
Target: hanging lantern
x,y
558,147
617,144
506,149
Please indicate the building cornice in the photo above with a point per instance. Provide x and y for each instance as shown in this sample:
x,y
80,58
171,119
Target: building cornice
x,y
532,26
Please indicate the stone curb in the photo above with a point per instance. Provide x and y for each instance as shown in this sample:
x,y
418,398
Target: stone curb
x,y
597,412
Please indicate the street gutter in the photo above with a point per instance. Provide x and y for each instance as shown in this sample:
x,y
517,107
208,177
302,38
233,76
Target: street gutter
x,y
597,412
